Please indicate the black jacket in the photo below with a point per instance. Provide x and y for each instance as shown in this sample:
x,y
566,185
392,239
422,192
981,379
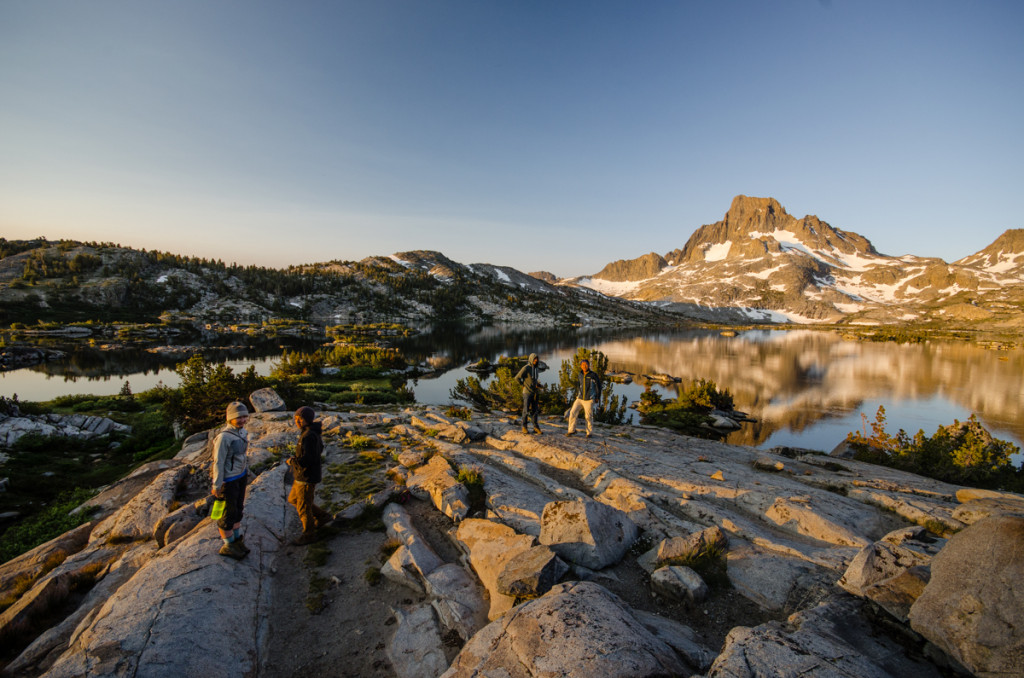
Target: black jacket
x,y
529,378
306,464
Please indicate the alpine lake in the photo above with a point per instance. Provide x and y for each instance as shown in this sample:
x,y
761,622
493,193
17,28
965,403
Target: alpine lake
x,y
806,388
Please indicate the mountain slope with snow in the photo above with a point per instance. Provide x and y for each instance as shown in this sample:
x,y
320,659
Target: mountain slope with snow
x,y
760,263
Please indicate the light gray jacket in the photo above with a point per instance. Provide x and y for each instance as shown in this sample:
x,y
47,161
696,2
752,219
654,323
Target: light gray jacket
x,y
229,458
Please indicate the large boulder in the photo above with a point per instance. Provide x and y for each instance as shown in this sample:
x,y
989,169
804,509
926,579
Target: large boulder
x,y
415,651
267,400
458,599
441,428
587,533
491,546
833,639
577,629
531,573
435,481
893,571
678,582
681,548
973,606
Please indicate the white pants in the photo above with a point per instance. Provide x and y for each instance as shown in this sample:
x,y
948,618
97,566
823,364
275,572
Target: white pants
x,y
588,412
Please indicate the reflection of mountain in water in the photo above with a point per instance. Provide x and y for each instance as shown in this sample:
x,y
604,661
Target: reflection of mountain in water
x,y
85,362
794,379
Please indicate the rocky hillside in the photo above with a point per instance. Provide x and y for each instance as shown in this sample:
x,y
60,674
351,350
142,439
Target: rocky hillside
x,y
66,281
1004,256
636,553
759,263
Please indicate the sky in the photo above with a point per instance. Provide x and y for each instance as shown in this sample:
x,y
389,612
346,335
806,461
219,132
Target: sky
x,y
542,135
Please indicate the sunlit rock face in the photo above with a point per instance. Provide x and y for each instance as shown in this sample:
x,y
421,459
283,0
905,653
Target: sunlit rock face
x,y
761,263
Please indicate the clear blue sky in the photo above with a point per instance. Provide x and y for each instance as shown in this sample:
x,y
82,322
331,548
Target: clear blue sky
x,y
540,135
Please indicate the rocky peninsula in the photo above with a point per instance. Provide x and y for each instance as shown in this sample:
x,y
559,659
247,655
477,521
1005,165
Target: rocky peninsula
x,y
638,552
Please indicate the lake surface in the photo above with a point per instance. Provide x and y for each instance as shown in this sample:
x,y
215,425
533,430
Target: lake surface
x,y
806,388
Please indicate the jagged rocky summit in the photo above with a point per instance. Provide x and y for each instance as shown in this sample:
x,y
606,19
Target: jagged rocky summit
x,y
835,550
760,263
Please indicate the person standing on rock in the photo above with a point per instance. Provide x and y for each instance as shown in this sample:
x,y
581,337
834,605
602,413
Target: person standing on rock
x,y
230,470
588,391
305,465
529,378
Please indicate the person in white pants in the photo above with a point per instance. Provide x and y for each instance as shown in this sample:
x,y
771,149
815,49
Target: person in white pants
x,y
588,391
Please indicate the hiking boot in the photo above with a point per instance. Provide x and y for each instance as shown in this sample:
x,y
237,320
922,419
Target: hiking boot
x,y
304,538
570,433
241,542
233,550
524,430
537,431
588,435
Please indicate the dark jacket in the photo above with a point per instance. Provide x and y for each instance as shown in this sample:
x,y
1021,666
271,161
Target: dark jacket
x,y
588,386
529,378
306,460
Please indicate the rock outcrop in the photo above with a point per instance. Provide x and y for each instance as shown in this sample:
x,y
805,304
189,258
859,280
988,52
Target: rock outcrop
x,y
576,629
973,605
80,426
142,591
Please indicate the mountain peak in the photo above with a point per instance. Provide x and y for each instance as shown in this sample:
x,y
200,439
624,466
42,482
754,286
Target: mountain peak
x,y
757,227
749,212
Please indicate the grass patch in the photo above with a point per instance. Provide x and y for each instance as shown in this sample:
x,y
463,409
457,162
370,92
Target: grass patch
x,y
355,481
939,528
372,575
359,442
388,548
317,554
318,586
473,480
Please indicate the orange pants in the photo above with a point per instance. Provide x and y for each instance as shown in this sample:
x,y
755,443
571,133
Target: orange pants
x,y
302,498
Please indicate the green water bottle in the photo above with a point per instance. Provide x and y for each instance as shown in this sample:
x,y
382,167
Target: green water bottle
x,y
218,510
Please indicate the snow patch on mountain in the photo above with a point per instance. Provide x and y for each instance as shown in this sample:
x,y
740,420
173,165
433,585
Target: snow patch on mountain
x,y
614,289
717,252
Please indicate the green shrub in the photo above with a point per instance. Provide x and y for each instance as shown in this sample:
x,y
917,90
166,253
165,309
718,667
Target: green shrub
x,y
205,390
963,453
688,412
53,521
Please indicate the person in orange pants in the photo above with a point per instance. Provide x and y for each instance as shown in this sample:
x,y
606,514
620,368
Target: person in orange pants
x,y
305,465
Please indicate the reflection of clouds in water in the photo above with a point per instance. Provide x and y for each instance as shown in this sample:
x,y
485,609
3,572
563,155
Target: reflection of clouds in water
x,y
796,380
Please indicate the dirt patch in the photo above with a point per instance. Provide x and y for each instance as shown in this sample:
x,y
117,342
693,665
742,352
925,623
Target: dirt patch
x,y
711,620
334,622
